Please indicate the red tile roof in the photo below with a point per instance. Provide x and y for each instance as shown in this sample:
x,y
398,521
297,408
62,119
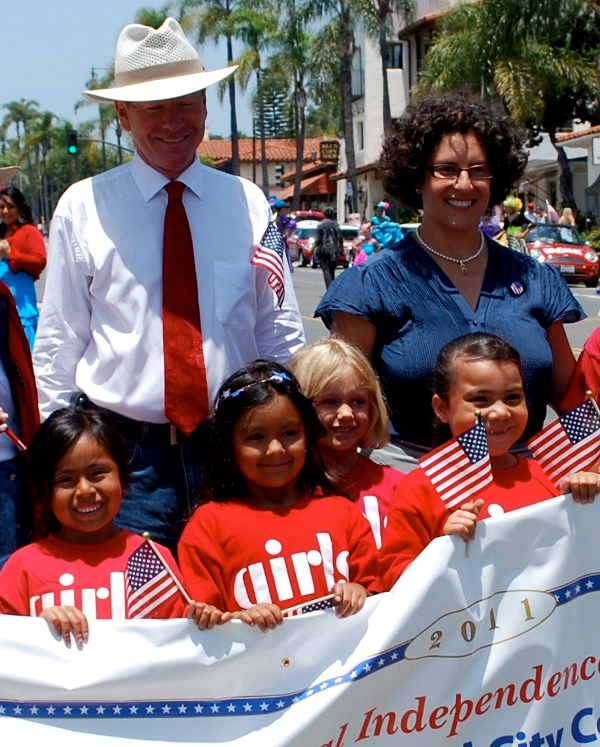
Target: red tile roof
x,y
280,150
420,24
579,133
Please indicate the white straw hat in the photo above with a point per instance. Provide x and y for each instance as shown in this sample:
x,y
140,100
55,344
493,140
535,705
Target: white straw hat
x,y
155,65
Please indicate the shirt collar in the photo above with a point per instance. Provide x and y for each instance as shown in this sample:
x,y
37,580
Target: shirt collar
x,y
150,181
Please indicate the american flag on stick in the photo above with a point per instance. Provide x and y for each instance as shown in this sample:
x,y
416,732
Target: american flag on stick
x,y
269,254
148,583
569,444
460,468
321,603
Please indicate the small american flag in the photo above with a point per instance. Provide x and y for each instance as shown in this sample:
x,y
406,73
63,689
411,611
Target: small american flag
x,y
459,469
569,444
269,254
302,609
147,582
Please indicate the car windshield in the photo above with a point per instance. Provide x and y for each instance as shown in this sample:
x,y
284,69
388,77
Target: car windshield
x,y
306,233
551,234
349,234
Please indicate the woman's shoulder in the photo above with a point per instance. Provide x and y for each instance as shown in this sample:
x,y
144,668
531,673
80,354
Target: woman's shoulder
x,y
363,288
28,230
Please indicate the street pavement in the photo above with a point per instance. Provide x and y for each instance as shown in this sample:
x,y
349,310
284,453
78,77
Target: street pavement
x,y
310,288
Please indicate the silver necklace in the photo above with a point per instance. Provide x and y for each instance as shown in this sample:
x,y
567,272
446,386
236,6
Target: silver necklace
x,y
462,262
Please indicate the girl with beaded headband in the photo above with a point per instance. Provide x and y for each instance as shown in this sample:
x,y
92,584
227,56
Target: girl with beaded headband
x,y
269,533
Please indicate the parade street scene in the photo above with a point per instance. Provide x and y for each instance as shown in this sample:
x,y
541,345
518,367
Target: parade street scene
x,y
300,373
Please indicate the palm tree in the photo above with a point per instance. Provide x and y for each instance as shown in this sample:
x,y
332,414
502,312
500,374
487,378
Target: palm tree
x,y
386,9
293,62
155,17
39,141
257,24
218,19
519,52
22,114
107,115
341,17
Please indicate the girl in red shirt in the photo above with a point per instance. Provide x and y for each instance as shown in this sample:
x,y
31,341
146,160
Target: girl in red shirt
x,y
268,533
84,566
347,396
475,373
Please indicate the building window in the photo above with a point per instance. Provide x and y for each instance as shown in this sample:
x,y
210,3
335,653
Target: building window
x,y
358,75
360,134
394,59
423,44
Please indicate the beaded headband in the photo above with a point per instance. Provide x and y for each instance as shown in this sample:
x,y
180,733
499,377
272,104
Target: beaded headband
x,y
278,376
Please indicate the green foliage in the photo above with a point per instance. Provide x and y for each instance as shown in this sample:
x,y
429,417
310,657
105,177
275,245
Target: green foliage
x,y
537,56
37,141
593,237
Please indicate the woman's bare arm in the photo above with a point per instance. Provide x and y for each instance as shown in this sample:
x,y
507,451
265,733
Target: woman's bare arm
x,y
356,330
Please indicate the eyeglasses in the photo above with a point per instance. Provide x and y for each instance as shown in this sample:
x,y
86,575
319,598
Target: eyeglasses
x,y
480,172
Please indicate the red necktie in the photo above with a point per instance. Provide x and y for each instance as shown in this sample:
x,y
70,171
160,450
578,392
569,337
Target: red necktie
x,y
186,396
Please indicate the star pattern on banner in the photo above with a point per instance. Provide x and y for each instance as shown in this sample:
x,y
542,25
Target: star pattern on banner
x,y
242,706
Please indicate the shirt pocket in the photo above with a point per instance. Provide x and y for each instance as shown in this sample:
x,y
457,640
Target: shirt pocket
x,y
235,294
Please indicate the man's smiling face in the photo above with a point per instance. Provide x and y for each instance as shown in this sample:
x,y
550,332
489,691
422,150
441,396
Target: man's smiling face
x,y
166,133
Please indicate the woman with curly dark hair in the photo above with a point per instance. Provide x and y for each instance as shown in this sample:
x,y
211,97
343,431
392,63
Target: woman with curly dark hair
x,y
451,158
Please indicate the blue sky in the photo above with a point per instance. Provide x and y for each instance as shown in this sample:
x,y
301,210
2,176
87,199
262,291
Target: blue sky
x,y
49,48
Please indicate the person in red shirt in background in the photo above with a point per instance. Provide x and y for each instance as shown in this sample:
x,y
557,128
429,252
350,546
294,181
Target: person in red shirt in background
x,y
586,376
22,256
269,532
77,571
348,399
474,373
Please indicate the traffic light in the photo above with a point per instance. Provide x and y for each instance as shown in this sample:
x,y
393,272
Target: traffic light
x,y
278,174
72,146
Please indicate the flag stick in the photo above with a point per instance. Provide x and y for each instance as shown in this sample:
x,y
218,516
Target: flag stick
x,y
590,395
166,566
326,598
16,440
478,417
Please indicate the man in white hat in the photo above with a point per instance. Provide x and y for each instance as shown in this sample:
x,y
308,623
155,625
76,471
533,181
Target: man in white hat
x,y
164,277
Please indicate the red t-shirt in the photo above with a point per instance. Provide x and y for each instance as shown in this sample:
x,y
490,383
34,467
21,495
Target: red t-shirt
x,y
234,555
53,572
417,514
371,487
586,375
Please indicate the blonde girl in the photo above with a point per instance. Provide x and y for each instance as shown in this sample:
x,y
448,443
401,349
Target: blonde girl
x,y
347,396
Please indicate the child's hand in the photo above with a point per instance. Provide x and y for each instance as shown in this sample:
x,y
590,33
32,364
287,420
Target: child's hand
x,y
66,621
206,616
464,520
348,599
583,485
265,616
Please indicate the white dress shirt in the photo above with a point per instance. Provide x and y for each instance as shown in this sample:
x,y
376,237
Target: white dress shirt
x,y
100,329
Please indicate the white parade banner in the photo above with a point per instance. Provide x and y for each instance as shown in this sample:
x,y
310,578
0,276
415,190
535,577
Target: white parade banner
x,y
500,647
